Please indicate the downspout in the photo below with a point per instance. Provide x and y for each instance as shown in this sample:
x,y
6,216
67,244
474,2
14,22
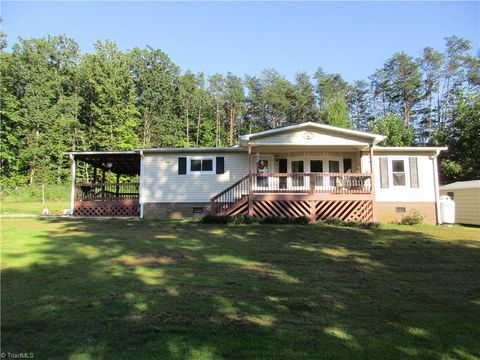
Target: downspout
x,y
436,187
140,190
73,170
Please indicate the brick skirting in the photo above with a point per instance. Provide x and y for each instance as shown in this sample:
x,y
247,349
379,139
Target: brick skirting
x,y
386,212
174,210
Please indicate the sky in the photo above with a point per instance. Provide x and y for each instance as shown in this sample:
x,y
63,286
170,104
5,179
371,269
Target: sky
x,y
350,38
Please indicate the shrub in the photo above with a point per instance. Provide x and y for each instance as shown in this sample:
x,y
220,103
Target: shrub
x,y
413,218
302,220
245,219
215,219
353,224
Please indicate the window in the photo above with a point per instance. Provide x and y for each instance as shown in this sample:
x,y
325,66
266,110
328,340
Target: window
x,y
450,195
198,210
200,165
297,168
400,210
398,172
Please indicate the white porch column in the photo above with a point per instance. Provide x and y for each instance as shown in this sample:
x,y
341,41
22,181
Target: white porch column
x,y
73,169
140,189
435,183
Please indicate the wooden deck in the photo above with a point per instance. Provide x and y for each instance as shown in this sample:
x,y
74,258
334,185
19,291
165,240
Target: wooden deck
x,y
106,199
319,196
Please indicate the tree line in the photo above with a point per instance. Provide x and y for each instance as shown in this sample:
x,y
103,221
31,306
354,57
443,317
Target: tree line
x,y
56,99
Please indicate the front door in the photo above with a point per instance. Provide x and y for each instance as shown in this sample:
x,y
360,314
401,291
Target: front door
x,y
297,179
263,166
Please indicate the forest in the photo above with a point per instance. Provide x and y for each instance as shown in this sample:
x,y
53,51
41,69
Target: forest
x,y
54,98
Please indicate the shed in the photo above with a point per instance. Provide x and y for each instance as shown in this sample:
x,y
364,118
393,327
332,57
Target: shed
x,y
466,195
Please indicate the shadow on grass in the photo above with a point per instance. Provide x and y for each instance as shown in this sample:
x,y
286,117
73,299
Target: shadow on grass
x,y
124,289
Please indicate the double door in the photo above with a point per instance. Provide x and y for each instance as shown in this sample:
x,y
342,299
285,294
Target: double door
x,y
301,166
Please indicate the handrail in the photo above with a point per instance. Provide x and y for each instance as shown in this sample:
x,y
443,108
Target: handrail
x,y
312,183
106,191
229,188
230,196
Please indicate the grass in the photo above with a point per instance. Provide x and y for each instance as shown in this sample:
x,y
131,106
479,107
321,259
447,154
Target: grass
x,y
33,208
132,289
28,199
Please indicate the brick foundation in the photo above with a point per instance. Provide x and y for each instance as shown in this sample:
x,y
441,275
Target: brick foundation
x,y
174,210
386,212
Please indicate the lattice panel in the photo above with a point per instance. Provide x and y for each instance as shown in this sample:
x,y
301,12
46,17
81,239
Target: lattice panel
x,y
282,208
239,210
345,210
107,210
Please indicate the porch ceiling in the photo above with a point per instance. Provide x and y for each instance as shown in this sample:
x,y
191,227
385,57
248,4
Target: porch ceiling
x,y
125,163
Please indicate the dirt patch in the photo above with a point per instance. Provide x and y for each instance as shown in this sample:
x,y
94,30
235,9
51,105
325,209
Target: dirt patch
x,y
153,259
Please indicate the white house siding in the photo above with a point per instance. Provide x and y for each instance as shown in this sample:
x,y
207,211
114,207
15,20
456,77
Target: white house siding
x,y
392,201
426,181
467,205
163,184
309,138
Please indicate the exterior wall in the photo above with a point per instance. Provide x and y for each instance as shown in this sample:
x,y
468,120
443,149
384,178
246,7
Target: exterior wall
x,y
310,137
163,184
174,210
426,180
386,212
467,205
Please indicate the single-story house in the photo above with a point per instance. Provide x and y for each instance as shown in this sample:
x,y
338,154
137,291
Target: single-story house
x,y
466,195
309,169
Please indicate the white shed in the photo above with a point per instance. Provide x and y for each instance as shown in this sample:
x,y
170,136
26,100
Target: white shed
x,y
466,195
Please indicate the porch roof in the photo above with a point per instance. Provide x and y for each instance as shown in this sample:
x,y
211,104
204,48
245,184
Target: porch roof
x,y
119,162
368,138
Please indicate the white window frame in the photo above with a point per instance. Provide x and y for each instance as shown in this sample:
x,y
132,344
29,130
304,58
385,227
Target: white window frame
x,y
214,165
406,168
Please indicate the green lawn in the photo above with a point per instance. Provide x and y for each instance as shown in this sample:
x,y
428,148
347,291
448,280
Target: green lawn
x,y
33,208
132,289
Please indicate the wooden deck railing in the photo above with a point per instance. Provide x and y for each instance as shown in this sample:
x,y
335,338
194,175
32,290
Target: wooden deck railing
x,y
311,183
223,201
106,191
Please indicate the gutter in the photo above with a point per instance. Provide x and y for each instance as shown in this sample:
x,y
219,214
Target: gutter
x,y
140,190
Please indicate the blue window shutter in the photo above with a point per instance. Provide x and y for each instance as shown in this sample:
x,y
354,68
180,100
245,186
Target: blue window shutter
x,y
182,165
220,165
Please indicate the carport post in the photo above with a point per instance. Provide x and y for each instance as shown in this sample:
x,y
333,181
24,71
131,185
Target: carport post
x,y
73,170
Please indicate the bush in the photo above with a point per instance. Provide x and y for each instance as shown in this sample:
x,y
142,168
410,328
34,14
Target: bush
x,y
277,220
352,224
413,218
245,219
214,219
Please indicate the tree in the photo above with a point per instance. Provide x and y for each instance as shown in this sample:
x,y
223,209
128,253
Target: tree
x,y
276,93
234,102
216,84
393,127
403,81
43,84
462,137
112,114
303,100
156,80
456,50
358,100
431,64
332,91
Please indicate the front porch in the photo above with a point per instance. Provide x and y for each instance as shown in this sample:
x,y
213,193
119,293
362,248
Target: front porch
x,y
318,182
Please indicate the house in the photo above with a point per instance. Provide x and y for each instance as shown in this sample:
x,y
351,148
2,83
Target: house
x,y
309,169
467,200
